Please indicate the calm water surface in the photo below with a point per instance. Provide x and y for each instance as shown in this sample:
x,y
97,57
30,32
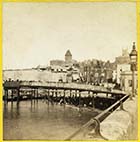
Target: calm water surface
x,y
40,120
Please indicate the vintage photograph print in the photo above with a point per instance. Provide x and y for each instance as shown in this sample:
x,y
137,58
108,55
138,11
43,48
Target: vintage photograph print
x,y
69,71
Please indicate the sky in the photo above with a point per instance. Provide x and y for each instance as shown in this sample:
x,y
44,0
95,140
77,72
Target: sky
x,y
35,33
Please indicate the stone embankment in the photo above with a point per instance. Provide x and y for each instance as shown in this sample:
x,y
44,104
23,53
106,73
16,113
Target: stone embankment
x,y
122,124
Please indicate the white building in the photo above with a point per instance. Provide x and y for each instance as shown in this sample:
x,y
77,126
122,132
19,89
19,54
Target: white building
x,y
123,64
126,81
121,68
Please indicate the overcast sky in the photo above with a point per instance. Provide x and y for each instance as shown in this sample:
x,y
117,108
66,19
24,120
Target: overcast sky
x,y
35,33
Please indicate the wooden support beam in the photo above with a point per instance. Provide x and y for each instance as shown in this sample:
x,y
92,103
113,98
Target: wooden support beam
x,y
56,92
52,93
31,96
18,96
37,94
64,97
34,95
5,96
56,95
12,95
107,95
70,93
80,99
75,93
93,100
48,95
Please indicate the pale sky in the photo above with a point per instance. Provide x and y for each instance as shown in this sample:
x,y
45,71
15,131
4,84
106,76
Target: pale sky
x,y
35,33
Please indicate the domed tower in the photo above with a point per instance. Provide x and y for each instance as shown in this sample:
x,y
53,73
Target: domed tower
x,y
68,56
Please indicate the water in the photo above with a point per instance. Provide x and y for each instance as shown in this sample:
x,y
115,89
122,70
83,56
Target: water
x,y
42,121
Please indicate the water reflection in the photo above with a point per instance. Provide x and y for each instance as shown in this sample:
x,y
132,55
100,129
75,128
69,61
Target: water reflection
x,y
42,120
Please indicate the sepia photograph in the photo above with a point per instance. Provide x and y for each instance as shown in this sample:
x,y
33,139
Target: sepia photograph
x,y
69,71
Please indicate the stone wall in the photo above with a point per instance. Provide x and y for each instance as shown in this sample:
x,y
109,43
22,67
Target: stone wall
x,y
122,124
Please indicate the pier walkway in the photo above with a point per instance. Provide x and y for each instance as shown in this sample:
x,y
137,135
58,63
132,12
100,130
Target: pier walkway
x,y
63,93
61,86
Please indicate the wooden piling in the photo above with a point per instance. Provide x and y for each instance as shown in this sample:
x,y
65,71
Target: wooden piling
x,y
70,93
48,95
75,93
52,93
64,97
80,99
31,96
5,96
56,92
107,95
12,94
70,97
93,100
37,94
34,95
18,96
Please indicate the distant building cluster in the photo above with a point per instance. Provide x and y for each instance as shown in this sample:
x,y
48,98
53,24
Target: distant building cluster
x,y
95,72
67,66
68,62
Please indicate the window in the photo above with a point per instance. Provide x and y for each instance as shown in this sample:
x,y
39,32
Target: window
x,y
130,83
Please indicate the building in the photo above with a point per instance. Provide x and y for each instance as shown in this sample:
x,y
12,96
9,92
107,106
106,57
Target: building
x,y
68,66
58,69
126,81
68,62
124,58
68,56
122,64
57,63
121,68
96,71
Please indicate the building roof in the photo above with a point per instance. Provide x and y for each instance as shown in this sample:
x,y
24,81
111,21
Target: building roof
x,y
57,67
68,53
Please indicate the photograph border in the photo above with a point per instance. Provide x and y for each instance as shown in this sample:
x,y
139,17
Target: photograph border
x,y
138,49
